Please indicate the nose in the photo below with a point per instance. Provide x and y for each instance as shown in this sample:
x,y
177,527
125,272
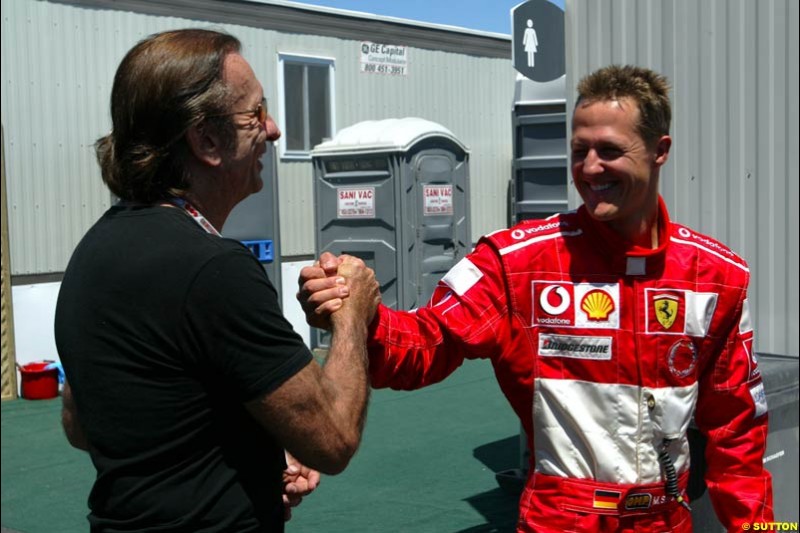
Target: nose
x,y
273,132
592,163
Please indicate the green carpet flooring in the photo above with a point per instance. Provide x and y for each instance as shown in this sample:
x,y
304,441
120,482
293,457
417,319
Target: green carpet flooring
x,y
427,464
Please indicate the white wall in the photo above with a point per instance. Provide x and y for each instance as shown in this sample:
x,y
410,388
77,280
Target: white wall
x,y
34,311
291,307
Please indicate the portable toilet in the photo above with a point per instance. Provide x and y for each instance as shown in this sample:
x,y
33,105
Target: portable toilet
x,y
255,221
395,193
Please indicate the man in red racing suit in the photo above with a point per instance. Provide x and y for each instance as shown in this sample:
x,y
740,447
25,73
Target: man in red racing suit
x,y
608,329
603,351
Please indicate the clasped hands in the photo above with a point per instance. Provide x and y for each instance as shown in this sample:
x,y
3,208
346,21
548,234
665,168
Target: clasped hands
x,y
325,286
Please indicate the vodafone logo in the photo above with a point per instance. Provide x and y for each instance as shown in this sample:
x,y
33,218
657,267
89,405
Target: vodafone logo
x,y
563,304
561,293
519,233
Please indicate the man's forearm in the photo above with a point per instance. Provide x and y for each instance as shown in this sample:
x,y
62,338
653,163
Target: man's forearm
x,y
346,373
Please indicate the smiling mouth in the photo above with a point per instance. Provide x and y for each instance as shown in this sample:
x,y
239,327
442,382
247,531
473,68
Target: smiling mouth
x,y
600,187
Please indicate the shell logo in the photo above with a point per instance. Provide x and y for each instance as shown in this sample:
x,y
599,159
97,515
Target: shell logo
x,y
597,305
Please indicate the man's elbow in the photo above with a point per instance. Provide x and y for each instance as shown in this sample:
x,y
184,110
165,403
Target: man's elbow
x,y
74,433
343,456
77,442
335,454
70,421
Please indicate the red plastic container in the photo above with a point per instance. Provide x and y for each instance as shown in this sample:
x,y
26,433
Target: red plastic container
x,y
38,383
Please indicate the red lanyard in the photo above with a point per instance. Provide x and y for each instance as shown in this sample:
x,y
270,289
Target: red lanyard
x,y
195,214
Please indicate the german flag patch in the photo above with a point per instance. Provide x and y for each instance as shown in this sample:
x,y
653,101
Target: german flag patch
x,y
606,499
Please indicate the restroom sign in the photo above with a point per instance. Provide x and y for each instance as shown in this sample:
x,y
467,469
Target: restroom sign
x,y
355,202
538,40
437,199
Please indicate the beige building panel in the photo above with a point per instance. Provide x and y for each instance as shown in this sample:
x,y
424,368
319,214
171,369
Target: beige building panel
x,y
55,105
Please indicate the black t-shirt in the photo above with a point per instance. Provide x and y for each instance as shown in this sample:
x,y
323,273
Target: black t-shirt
x,y
164,331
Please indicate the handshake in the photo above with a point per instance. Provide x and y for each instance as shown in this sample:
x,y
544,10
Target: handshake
x,y
338,289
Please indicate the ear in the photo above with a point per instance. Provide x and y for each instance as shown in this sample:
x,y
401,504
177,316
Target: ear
x,y
662,149
204,144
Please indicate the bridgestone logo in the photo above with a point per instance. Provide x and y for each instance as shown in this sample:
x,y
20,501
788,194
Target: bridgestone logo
x,y
575,347
598,348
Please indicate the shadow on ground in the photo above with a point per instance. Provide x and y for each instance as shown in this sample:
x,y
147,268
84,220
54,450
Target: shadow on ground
x,y
498,506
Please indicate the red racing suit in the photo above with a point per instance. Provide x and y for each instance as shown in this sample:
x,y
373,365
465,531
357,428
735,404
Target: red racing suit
x,y
605,351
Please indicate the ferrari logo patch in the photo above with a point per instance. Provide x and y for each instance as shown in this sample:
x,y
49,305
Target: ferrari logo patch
x,y
666,308
676,311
